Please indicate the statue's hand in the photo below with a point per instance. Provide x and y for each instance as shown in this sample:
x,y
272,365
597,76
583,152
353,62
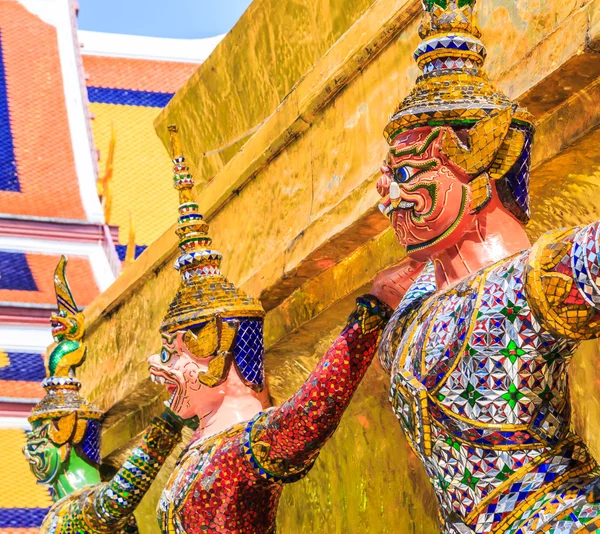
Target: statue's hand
x,y
391,285
178,422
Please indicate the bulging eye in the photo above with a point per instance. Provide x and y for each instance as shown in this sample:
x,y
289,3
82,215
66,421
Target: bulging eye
x,y
402,174
165,355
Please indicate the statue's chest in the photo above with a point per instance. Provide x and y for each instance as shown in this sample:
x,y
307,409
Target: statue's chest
x,y
214,487
475,364
191,468
198,475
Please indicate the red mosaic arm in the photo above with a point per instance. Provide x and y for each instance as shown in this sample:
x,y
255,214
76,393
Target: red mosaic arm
x,y
284,442
562,282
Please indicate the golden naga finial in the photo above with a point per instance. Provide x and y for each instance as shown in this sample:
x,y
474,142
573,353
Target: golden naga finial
x,y
104,184
67,328
62,405
130,254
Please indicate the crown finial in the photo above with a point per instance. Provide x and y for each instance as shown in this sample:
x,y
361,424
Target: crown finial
x,y
192,231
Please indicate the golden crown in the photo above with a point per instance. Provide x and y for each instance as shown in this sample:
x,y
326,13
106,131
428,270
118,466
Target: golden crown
x,y
203,291
453,88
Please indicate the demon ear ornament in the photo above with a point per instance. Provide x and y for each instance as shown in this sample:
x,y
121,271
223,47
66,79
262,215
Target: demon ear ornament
x,y
215,337
485,140
214,340
492,150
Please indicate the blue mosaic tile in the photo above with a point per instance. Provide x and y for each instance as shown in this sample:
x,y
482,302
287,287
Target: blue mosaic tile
x,y
90,444
9,179
128,97
15,272
517,179
249,351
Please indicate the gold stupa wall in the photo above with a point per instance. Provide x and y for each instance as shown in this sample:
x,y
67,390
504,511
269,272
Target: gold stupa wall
x,y
285,123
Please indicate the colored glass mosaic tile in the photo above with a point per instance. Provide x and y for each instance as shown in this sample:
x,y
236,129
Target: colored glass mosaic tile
x,y
9,178
479,387
15,273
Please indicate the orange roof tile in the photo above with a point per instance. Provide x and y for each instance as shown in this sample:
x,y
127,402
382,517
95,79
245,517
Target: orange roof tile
x,y
137,74
19,389
38,118
40,279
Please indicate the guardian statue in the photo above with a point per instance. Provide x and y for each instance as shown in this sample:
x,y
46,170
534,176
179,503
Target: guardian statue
x,y
63,448
230,477
479,347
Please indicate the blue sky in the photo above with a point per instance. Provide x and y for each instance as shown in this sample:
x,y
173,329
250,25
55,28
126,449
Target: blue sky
x,y
188,19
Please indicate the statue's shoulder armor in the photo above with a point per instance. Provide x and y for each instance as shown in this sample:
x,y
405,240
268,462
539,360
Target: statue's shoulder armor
x,y
562,282
421,289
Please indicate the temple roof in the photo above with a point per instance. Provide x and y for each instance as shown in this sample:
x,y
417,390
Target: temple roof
x,y
43,172
125,97
61,107
27,278
21,375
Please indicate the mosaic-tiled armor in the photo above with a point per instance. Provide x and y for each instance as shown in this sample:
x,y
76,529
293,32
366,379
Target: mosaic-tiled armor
x,y
479,385
479,347
230,481
63,448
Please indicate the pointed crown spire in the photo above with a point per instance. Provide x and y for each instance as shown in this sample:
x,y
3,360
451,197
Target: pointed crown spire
x,y
203,292
194,243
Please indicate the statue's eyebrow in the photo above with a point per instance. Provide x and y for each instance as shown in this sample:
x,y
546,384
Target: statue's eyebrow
x,y
416,149
169,338
417,164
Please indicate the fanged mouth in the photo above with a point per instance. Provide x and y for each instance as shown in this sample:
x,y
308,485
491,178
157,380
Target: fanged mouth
x,y
388,209
57,327
160,377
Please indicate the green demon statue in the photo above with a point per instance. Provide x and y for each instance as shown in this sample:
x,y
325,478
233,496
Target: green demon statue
x,y
63,448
